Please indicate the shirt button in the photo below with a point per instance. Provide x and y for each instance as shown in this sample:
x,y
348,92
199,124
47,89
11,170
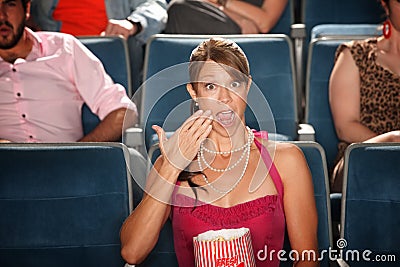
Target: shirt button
x,y
23,115
14,69
30,136
18,94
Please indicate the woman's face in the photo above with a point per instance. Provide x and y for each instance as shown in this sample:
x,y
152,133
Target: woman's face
x,y
223,91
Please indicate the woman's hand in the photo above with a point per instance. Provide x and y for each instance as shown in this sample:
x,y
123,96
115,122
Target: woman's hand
x,y
182,147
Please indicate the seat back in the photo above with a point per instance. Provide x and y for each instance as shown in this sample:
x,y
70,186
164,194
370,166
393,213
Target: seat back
x,y
113,53
165,100
62,204
315,156
371,202
340,11
340,30
317,111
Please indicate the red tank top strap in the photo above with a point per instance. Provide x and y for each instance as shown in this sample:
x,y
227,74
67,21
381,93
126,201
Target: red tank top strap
x,y
276,178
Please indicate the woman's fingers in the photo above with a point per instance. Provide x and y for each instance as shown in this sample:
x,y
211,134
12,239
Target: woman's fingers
x,y
182,147
161,135
203,134
191,120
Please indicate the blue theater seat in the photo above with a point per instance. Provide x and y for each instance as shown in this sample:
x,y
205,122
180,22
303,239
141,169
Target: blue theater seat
x,y
315,156
113,53
371,203
317,110
63,204
313,13
342,30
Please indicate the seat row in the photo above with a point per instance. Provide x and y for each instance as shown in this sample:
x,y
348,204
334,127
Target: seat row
x,y
274,96
64,204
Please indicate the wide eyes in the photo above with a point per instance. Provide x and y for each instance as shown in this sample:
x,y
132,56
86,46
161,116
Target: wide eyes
x,y
235,84
211,86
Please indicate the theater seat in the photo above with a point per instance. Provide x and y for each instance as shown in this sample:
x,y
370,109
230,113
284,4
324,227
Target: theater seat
x,y
316,160
63,204
371,204
113,53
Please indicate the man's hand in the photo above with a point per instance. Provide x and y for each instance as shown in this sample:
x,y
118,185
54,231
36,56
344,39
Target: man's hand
x,y
122,27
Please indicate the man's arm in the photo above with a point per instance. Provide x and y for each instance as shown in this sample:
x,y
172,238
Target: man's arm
x,y
112,126
152,16
146,17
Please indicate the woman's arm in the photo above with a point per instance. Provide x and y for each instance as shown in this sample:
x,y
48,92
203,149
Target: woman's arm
x,y
140,231
264,18
299,202
344,97
112,126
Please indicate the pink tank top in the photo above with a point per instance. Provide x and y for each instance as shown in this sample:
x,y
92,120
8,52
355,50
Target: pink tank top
x,y
263,216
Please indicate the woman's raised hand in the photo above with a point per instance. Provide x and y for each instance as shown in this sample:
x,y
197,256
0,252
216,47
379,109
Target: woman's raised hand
x,y
182,147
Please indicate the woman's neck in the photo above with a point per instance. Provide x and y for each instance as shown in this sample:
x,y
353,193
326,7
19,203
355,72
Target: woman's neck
x,y
391,45
220,142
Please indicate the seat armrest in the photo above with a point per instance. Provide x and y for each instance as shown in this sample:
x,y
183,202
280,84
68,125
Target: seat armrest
x,y
298,34
133,137
306,132
298,31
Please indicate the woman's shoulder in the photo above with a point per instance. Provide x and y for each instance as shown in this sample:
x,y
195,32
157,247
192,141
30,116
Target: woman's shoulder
x,y
282,151
358,48
288,151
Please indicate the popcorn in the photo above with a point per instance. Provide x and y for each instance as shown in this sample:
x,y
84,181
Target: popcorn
x,y
224,248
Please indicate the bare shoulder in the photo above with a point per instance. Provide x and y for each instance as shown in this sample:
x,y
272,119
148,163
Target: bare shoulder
x,y
288,152
290,162
281,150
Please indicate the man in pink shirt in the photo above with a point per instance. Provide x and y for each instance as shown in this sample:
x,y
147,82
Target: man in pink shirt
x,y
45,78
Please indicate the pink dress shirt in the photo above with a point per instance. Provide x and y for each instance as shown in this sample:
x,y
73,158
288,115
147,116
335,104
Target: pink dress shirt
x,y
41,96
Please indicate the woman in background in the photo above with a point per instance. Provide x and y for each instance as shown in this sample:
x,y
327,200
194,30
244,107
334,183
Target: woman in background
x,y
365,89
223,16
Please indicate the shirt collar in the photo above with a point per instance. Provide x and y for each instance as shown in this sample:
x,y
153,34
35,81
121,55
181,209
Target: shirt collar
x,y
37,44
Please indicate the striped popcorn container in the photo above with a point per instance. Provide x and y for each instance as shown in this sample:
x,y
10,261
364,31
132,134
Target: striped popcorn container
x,y
224,248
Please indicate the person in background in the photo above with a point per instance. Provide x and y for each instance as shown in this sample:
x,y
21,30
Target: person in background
x,y
223,16
135,20
46,77
216,173
365,89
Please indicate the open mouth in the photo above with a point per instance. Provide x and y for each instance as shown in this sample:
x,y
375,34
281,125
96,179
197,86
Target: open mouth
x,y
226,117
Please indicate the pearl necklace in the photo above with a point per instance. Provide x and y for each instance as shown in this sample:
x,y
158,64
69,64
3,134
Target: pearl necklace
x,y
250,138
247,149
227,152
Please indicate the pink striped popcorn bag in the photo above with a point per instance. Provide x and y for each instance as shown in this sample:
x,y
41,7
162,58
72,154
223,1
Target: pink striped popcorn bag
x,y
224,248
